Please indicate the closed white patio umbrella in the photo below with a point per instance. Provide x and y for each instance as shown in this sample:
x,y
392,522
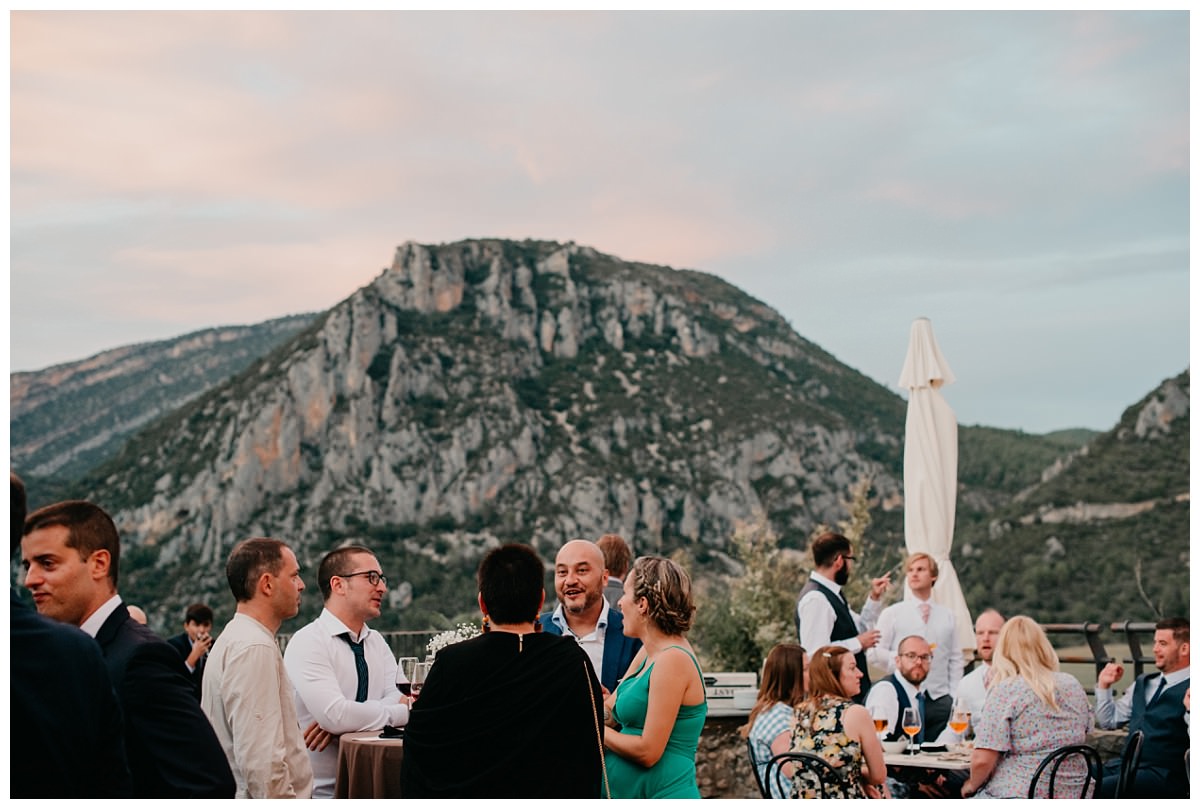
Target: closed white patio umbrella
x,y
931,469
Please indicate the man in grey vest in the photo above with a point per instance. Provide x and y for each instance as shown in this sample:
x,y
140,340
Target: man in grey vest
x,y
822,614
1156,706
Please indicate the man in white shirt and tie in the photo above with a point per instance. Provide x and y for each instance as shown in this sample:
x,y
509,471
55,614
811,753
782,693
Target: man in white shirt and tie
x,y
343,672
919,615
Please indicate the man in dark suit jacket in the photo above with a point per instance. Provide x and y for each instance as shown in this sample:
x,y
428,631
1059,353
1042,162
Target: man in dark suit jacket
x,y
67,739
579,576
194,642
70,552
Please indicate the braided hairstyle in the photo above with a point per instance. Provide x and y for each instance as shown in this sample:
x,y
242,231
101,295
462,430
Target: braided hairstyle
x,y
668,593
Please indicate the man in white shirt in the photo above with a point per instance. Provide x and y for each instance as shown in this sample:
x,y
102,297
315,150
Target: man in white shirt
x,y
905,688
246,692
334,693
972,689
585,615
919,615
824,617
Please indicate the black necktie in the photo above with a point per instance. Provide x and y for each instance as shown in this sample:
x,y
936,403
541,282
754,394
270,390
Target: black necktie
x,y
360,666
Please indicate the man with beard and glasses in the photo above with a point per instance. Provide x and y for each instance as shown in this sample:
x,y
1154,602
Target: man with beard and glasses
x,y
584,614
824,617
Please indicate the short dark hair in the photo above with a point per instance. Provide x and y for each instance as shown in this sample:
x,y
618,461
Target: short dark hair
x,y
198,614
668,593
1181,628
827,547
617,556
510,583
337,563
248,560
89,529
16,510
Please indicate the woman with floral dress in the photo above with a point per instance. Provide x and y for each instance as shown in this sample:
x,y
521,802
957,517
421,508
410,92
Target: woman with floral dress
x,y
1031,710
829,725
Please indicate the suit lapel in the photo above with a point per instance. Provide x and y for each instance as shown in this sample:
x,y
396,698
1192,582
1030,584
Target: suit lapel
x,y
110,627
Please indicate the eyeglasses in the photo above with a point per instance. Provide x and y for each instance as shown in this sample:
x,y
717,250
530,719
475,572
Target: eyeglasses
x,y
912,657
851,558
373,576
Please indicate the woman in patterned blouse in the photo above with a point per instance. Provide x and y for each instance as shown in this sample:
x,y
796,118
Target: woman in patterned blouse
x,y
829,725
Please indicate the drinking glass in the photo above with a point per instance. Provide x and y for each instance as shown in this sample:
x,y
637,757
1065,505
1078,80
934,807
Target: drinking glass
x,y
911,724
881,723
960,720
420,672
404,674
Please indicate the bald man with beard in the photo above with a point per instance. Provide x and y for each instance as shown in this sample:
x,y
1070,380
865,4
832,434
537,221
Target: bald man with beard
x,y
584,614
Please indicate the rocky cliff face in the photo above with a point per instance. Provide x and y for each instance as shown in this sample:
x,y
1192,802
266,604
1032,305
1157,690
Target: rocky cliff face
x,y
490,391
66,419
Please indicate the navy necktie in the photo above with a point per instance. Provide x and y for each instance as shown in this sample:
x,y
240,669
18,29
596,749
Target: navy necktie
x,y
921,711
360,666
1162,683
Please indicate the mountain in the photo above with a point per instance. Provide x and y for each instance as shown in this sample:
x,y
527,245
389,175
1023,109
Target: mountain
x,y
490,391
66,419
1105,533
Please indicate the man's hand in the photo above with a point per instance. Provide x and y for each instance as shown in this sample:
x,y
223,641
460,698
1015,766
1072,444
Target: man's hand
x,y
869,638
1109,675
317,738
199,649
880,585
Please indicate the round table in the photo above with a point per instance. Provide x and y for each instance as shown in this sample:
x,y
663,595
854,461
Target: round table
x,y
368,766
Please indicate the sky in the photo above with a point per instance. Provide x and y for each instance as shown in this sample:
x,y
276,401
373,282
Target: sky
x,y
1020,178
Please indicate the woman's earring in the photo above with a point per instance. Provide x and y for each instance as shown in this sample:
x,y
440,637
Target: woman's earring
x,y
487,626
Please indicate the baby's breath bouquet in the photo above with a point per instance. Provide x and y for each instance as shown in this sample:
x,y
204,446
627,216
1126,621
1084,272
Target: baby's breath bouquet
x,y
464,631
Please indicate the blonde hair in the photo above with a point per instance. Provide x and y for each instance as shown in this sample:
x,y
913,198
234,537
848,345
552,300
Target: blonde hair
x,y
1024,651
933,568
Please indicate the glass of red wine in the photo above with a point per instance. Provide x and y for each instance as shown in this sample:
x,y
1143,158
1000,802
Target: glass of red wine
x,y
420,672
405,668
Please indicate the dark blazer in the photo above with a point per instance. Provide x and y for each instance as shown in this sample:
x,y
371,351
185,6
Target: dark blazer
x,y
619,650
172,749
183,644
66,738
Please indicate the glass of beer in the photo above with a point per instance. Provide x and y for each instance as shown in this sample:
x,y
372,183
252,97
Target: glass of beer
x,y
880,719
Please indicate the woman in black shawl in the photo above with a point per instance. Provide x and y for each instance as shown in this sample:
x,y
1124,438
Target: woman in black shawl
x,y
511,713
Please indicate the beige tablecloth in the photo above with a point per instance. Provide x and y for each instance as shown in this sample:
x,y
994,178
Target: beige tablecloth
x,y
368,767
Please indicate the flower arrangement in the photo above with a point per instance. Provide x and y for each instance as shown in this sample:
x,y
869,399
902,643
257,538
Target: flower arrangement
x,y
464,631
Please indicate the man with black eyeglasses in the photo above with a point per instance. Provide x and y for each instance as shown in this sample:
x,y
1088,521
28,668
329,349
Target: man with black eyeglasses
x,y
823,616
343,672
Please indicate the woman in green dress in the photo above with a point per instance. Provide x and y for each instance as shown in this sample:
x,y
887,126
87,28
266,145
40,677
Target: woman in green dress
x,y
655,716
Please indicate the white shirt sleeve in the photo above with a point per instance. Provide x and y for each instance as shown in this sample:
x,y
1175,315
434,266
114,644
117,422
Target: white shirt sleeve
x,y
310,668
881,655
882,695
816,624
1110,714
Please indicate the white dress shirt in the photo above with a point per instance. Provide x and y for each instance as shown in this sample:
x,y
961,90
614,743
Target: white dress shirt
x,y
817,618
971,690
320,665
903,619
248,699
96,619
1110,714
591,643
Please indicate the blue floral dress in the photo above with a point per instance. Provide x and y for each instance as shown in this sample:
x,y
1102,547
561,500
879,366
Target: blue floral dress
x,y
821,733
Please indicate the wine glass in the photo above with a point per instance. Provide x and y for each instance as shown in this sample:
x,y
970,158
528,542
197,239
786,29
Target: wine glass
x,y
880,718
404,674
911,723
420,672
960,720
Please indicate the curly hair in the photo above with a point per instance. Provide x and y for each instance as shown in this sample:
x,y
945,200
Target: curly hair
x,y
668,593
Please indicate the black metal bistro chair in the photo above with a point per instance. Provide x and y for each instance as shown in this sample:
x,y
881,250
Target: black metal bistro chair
x,y
832,783
1052,762
1130,757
